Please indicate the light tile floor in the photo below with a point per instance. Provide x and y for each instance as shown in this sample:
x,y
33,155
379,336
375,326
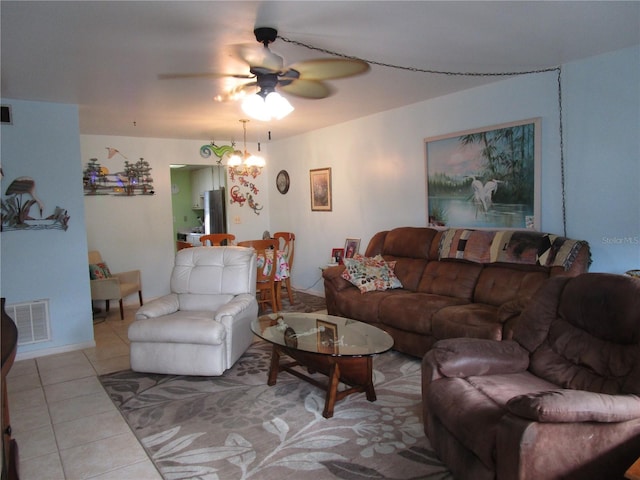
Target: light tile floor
x,y
65,423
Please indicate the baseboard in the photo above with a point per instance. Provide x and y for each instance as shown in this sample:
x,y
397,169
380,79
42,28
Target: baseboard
x,y
53,351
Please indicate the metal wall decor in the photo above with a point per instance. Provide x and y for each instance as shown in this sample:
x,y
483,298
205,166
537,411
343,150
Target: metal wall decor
x,y
135,179
243,190
19,208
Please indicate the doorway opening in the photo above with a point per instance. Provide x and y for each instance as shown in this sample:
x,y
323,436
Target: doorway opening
x,y
198,201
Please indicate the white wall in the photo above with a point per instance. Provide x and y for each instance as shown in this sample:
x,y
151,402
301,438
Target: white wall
x,y
43,144
603,145
137,232
378,165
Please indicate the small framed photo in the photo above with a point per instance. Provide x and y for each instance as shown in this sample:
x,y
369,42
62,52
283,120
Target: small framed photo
x,y
351,247
320,180
337,254
327,337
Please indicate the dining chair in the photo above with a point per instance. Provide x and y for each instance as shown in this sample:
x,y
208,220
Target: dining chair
x,y
286,243
218,239
180,245
266,292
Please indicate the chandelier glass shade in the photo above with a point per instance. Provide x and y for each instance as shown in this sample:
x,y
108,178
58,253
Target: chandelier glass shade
x,y
266,106
242,162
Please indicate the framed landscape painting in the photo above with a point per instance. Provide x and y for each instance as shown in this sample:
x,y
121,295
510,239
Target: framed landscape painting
x,y
320,179
485,178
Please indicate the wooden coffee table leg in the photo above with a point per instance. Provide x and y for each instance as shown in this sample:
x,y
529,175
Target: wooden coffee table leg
x,y
275,366
332,390
368,387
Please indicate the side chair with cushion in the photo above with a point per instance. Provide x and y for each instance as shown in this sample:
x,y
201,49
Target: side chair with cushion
x,y
560,400
218,239
286,243
204,325
112,286
266,291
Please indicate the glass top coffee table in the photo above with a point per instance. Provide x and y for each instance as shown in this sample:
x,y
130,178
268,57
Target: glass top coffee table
x,y
337,347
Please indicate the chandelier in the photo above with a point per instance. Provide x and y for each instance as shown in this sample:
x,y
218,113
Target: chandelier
x,y
242,162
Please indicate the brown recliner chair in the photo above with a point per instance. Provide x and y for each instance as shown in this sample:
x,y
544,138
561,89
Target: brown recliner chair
x,y
560,400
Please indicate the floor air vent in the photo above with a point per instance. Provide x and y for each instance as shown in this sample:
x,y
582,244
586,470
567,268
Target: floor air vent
x,y
32,320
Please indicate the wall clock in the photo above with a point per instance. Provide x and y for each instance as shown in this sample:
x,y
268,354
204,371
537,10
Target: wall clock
x,y
282,181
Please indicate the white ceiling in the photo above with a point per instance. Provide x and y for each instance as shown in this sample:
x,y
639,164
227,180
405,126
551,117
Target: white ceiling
x,y
106,56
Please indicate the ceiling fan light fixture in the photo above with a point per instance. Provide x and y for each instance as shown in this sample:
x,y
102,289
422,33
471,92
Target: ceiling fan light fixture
x,y
271,106
277,105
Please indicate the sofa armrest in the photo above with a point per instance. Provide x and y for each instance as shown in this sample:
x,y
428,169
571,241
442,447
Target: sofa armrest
x,y
568,406
464,357
236,306
159,307
132,276
333,276
105,288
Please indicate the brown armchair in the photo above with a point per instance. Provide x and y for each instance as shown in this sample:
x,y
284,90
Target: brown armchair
x,y
114,286
560,400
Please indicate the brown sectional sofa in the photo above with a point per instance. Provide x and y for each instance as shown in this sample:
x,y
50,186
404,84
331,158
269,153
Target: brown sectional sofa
x,y
456,283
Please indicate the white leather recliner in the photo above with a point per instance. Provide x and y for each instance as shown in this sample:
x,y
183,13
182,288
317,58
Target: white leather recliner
x,y
204,325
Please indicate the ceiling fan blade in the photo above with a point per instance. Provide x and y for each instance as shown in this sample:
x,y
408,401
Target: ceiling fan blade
x,y
329,68
236,92
180,76
258,56
306,88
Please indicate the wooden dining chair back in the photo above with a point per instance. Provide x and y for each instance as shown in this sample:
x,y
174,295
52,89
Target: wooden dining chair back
x,y
266,251
218,239
180,245
286,243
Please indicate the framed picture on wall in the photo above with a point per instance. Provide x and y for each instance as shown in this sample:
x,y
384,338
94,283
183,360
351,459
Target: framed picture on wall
x,y
320,180
485,178
351,247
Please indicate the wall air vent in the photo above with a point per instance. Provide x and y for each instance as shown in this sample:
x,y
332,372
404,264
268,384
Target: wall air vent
x,y
32,320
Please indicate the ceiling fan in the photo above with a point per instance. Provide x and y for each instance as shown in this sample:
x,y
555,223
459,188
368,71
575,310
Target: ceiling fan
x,y
267,72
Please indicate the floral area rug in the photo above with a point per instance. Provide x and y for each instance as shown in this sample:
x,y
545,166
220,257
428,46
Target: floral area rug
x,y
302,302
236,427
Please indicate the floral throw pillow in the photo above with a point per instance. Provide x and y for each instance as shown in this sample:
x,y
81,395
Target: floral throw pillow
x,y
370,273
99,270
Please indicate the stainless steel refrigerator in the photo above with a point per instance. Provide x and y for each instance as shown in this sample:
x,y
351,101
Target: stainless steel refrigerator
x,y
215,217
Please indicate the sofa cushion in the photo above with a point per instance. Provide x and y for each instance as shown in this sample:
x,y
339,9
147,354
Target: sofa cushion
x,y
370,273
408,270
202,329
362,307
450,278
408,242
498,284
475,320
214,270
98,271
413,312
